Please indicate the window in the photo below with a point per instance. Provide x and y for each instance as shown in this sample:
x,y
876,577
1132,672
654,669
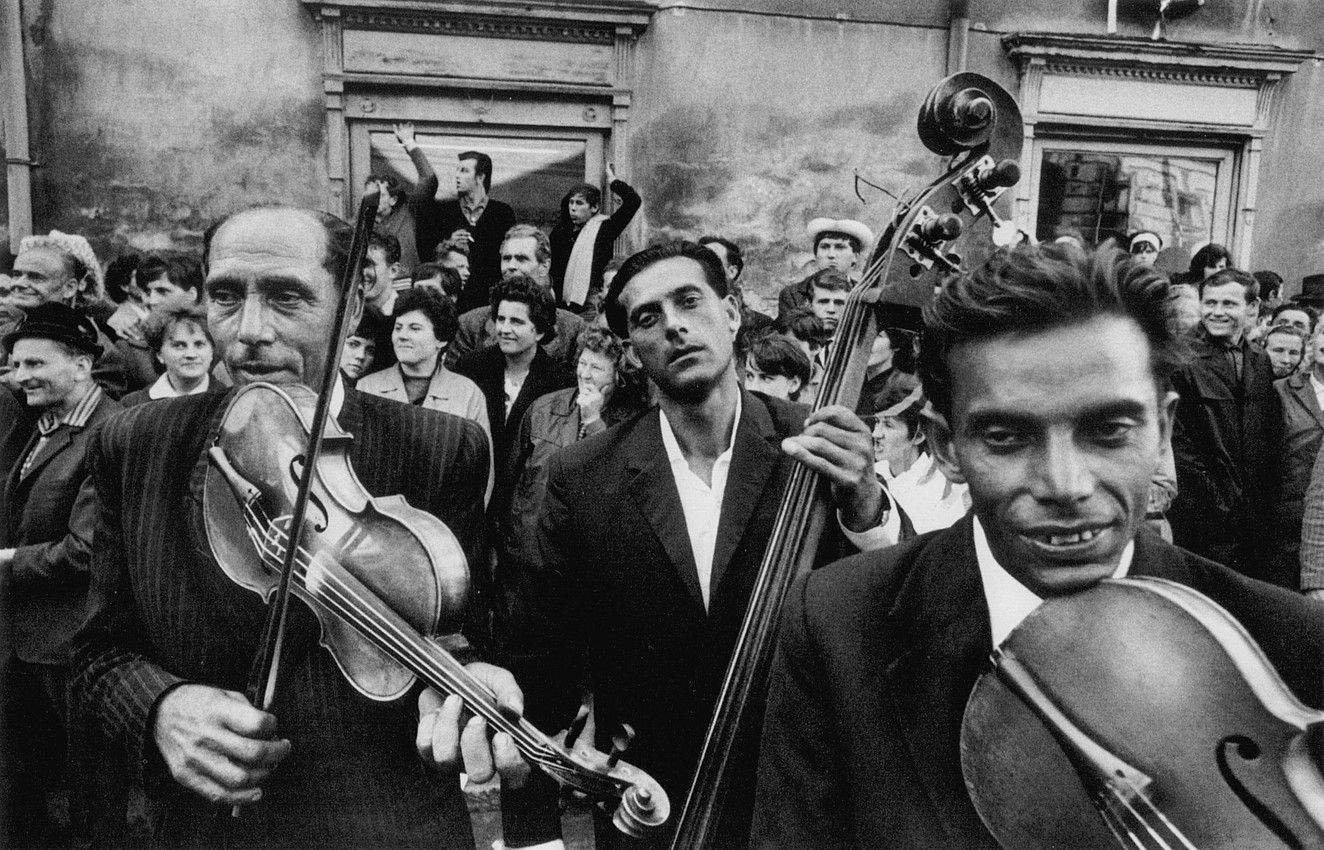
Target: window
x,y
1124,133
1109,190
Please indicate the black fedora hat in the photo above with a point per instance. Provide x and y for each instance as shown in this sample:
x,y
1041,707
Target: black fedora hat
x,y
59,322
1312,290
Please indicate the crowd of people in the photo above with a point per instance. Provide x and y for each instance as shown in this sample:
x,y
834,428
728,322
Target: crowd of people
x,y
608,441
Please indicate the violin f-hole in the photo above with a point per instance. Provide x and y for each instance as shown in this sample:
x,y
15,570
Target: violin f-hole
x,y
1243,769
319,522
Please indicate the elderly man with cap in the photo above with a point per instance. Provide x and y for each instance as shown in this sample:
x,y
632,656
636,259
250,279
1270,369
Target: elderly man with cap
x,y
838,243
61,268
45,543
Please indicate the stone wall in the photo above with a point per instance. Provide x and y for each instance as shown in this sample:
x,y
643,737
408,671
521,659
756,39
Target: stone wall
x,y
150,119
749,117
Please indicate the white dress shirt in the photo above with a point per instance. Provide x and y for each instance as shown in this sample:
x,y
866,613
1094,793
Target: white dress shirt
x,y
1009,601
702,503
1319,390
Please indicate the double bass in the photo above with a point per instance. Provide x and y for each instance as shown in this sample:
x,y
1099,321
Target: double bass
x,y
976,122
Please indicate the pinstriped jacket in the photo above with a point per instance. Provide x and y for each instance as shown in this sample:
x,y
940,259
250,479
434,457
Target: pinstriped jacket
x,y
161,613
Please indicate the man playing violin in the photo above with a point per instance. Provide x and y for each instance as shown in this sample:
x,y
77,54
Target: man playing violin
x,y
1048,370
653,531
162,660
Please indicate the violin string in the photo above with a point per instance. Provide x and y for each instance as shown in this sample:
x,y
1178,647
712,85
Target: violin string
x,y
478,701
1173,832
1140,819
1116,824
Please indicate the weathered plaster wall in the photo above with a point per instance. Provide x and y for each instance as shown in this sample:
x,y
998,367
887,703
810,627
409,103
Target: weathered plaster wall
x,y
751,115
149,119
750,125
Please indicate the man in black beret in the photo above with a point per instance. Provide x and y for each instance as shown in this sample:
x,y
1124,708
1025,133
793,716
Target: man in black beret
x,y
45,546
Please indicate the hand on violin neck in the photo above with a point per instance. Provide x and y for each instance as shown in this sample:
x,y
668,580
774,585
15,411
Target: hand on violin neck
x,y
837,444
451,739
215,744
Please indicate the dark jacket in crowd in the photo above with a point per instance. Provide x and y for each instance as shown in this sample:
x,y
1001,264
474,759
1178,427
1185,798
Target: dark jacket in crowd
x,y
15,426
486,367
1226,441
565,233
48,516
551,423
795,295
617,584
1303,431
435,221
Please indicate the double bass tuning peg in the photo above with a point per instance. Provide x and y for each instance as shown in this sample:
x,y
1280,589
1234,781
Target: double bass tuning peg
x,y
620,742
576,727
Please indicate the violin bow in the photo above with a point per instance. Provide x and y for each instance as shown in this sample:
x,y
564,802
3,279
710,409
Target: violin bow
x,y
262,679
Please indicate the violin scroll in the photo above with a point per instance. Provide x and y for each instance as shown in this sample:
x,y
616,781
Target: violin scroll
x,y
641,804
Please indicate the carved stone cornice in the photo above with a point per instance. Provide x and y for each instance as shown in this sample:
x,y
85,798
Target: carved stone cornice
x,y
573,22
1228,65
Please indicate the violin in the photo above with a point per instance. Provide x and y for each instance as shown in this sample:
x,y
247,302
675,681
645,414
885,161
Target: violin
x,y
381,577
967,116
286,516
1139,714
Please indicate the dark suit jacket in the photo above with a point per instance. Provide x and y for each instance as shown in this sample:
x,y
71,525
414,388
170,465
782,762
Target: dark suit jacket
x,y
1226,441
564,234
48,517
486,367
618,580
793,296
15,426
437,220
1303,431
877,658
161,612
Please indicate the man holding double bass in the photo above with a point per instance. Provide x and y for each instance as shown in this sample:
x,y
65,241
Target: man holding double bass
x,y
162,660
1048,370
652,534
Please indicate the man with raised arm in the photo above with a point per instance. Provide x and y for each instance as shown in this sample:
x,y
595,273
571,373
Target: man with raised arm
x,y
471,216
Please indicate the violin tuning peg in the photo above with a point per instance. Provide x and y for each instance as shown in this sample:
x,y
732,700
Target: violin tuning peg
x,y
576,727
620,742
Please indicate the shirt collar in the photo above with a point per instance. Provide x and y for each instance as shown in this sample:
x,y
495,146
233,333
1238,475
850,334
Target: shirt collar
x,y
674,454
1009,601
76,417
338,396
473,208
164,389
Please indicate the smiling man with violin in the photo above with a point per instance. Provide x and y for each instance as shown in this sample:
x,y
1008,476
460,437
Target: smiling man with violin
x,y
1048,370
164,655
